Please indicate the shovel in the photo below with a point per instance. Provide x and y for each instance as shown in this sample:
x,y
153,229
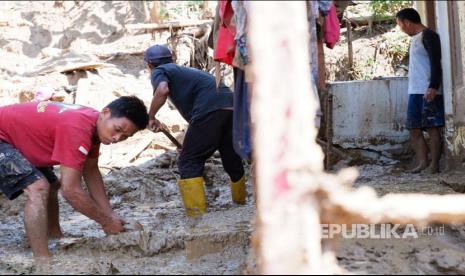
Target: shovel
x,y
171,137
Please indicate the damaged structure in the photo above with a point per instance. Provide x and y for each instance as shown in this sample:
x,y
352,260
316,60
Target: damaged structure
x,y
451,27
371,114
295,196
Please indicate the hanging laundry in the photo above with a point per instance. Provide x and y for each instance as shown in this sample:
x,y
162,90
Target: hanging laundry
x,y
240,19
325,6
225,44
332,28
241,116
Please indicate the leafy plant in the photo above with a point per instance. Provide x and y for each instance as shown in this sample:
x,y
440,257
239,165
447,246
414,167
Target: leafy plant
x,y
383,8
163,13
395,46
195,4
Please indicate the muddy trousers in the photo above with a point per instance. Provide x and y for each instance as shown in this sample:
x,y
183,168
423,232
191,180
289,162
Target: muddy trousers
x,y
203,137
17,173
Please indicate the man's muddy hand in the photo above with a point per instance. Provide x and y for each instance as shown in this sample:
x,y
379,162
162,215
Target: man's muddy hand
x,y
115,226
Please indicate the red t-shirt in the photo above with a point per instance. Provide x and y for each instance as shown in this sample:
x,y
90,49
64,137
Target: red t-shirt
x,y
51,133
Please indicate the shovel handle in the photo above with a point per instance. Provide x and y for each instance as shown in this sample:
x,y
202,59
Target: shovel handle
x,y
171,137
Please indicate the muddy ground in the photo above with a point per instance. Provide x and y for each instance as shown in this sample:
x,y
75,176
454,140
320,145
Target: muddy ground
x,y
140,174
440,249
218,243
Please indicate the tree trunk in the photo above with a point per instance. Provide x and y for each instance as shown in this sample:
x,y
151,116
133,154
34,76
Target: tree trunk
x,y
155,12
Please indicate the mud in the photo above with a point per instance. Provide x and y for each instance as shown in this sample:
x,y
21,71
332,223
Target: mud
x,y
37,39
217,243
439,249
141,173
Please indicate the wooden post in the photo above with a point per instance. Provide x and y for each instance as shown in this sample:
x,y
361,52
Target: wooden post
x,y
155,12
350,50
329,128
321,66
431,15
283,109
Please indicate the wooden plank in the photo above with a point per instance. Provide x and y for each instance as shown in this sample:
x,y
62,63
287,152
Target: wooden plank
x,y
166,25
138,149
110,56
82,66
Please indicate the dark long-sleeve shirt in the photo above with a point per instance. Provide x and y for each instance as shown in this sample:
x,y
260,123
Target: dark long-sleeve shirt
x,y
432,45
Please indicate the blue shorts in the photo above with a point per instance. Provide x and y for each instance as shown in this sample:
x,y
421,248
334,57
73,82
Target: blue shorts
x,y
422,114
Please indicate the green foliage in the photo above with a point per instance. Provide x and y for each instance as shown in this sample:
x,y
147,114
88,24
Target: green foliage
x,y
180,9
195,4
395,45
163,13
383,8
362,69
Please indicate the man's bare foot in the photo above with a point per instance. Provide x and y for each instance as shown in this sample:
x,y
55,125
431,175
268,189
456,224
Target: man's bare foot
x,y
42,265
432,169
418,169
55,234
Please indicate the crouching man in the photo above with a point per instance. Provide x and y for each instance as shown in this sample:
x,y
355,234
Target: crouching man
x,y
36,136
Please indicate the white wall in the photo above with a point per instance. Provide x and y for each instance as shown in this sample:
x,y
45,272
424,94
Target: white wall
x,y
369,112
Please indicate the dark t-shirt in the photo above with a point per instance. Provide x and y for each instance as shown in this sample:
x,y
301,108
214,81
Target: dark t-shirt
x,y
192,91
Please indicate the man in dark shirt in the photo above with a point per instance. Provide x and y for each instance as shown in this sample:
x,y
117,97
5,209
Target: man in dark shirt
x,y
208,110
426,104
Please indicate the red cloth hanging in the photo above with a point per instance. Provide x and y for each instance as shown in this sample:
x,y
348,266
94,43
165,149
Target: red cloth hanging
x,y
225,44
332,28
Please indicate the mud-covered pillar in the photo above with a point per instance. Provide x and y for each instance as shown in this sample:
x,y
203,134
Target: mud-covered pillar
x,y
451,27
457,22
287,156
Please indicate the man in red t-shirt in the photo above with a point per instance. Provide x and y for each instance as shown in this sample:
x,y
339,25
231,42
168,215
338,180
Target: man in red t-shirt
x,y
36,136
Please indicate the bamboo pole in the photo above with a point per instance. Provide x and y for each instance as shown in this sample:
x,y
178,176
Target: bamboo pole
x,y
283,108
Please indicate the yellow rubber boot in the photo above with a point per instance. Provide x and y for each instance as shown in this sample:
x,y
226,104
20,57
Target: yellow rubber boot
x,y
193,196
238,191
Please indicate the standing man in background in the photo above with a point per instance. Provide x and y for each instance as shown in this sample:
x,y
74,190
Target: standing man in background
x,y
426,103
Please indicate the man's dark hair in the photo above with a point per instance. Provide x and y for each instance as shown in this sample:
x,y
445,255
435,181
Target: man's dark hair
x,y
132,108
409,14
